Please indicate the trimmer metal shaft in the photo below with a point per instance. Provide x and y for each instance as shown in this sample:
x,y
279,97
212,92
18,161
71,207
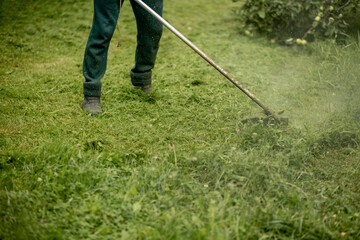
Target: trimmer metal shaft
x,y
267,110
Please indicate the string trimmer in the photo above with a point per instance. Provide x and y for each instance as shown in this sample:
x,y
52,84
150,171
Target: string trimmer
x,y
270,113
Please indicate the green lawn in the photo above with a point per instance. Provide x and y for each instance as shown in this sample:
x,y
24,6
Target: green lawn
x,y
176,164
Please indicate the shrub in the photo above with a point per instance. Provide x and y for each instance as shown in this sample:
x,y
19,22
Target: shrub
x,y
298,21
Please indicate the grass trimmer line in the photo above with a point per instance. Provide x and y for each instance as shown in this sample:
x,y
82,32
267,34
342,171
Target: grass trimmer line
x,y
268,111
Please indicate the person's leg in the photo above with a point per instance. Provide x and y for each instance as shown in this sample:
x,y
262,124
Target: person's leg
x,y
148,38
106,13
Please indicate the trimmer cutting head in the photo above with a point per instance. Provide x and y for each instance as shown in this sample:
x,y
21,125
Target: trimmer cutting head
x,y
268,120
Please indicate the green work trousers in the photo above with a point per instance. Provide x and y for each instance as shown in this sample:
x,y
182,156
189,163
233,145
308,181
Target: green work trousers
x,y
106,13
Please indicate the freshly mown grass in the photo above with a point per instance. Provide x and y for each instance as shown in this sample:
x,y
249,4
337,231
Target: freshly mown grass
x,y
176,164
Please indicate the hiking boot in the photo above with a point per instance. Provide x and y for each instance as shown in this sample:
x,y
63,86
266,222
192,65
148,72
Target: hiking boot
x,y
92,105
145,88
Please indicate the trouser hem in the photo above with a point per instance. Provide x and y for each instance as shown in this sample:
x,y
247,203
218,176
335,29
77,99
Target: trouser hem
x,y
139,79
92,89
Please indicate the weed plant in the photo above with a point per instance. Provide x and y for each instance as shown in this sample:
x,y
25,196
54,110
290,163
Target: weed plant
x,y
176,164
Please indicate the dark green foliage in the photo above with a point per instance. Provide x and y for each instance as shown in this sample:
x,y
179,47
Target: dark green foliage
x,y
287,21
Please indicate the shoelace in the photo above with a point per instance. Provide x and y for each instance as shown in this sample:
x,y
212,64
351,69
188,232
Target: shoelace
x,y
92,99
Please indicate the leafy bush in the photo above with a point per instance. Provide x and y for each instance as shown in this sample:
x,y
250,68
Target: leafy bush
x,y
298,21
